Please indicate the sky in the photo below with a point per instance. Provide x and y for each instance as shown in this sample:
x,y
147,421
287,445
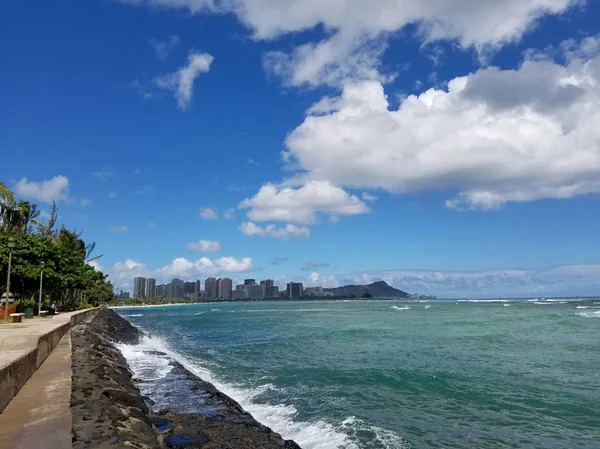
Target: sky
x,y
446,147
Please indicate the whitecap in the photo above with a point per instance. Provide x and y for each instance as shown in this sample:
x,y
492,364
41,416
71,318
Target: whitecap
x,y
506,305
135,314
545,303
427,307
200,313
595,314
386,438
582,307
401,308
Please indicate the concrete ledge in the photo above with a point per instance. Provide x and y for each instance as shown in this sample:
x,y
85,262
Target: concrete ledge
x,y
25,346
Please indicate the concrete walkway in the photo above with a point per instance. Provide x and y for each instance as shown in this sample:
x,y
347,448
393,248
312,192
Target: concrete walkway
x,y
39,416
24,346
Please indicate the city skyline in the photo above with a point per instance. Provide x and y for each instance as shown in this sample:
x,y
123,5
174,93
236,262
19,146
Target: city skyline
x,y
450,152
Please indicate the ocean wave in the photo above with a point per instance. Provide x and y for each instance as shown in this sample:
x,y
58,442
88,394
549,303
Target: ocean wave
x,y
200,313
135,314
427,307
386,438
483,300
400,308
582,307
506,305
595,314
149,361
546,303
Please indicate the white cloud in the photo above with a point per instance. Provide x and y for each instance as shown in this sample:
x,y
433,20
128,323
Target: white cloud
x,y
113,194
302,205
95,265
357,31
181,82
368,197
229,214
208,213
290,231
252,161
55,189
494,136
184,268
122,273
85,202
163,49
205,245
119,228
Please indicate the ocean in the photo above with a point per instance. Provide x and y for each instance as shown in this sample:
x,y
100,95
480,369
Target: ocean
x,y
388,374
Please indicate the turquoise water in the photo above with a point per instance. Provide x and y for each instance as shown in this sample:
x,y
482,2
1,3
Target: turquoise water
x,y
382,374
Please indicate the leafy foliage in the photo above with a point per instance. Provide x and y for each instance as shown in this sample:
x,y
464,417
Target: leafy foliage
x,y
68,280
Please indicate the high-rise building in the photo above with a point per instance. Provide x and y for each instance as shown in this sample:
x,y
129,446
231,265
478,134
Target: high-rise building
x,y
255,291
272,292
123,295
150,288
294,290
198,286
161,291
139,288
191,287
267,283
210,288
177,288
239,292
249,281
224,286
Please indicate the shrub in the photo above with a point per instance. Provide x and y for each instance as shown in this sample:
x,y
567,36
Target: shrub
x,y
84,306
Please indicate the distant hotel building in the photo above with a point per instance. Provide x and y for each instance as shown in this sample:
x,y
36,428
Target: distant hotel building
x,y
249,281
177,288
150,288
294,290
139,288
224,288
255,291
272,292
314,291
210,288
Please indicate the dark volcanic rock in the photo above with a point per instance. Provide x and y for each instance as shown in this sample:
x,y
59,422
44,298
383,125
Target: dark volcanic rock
x,y
109,410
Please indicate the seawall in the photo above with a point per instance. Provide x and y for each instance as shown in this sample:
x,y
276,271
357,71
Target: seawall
x,y
108,408
25,346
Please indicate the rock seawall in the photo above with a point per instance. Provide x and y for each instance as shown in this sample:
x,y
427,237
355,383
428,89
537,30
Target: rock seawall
x,y
109,411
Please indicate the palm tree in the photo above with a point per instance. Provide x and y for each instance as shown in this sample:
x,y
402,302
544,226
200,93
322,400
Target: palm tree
x,y
6,196
17,220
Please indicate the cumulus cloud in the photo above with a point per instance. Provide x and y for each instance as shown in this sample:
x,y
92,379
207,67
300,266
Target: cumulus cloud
x,y
493,136
302,205
205,246
55,189
289,231
181,82
368,197
184,268
208,213
163,49
357,31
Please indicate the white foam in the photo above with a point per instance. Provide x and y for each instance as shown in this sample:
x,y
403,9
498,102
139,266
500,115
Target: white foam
x,y
146,366
582,307
546,303
427,307
309,435
135,314
387,438
506,305
200,313
595,314
483,300
401,308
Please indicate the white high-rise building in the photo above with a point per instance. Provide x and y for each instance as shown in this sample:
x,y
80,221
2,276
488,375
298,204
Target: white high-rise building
x,y
139,288
150,288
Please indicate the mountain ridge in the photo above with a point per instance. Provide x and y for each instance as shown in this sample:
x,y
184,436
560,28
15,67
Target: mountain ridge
x,y
379,289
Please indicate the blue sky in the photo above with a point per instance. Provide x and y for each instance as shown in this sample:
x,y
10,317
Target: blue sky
x,y
449,149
